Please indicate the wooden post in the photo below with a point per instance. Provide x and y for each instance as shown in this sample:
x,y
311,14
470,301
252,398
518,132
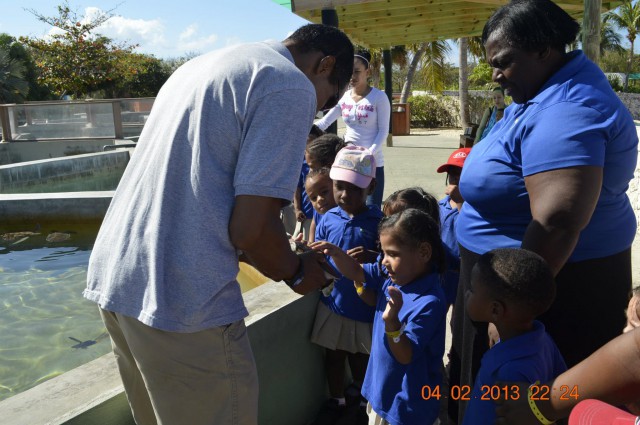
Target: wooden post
x,y
330,17
591,29
388,88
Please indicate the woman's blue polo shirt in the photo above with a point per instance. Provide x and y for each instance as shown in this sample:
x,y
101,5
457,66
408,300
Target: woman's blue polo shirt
x,y
575,120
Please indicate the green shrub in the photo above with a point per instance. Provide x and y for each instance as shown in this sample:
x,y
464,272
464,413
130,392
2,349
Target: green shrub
x,y
433,111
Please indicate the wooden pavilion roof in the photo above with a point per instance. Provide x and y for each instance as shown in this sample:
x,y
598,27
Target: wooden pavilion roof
x,y
386,23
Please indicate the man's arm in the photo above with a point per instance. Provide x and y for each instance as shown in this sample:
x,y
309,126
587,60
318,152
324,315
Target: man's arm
x,y
256,229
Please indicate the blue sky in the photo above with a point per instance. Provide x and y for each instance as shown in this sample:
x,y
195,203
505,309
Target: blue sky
x,y
165,28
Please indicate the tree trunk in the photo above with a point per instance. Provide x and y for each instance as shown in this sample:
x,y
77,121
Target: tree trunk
x,y
591,29
464,84
411,71
629,63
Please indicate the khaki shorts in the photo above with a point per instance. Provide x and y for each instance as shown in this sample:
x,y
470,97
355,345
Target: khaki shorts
x,y
201,378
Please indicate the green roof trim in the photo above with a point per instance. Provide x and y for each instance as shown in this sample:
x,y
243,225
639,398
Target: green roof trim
x,y
284,3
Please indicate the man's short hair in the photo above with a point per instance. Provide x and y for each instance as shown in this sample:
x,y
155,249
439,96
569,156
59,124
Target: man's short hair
x,y
330,41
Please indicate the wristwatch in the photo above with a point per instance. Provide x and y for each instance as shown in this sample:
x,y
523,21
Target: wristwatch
x,y
298,277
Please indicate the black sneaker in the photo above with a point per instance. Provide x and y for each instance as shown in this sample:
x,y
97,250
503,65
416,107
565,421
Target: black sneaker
x,y
330,413
352,395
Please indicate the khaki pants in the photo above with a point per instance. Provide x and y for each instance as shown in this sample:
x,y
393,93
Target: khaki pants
x,y
201,378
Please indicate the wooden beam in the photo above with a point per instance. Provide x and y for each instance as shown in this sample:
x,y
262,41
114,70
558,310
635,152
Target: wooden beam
x,y
406,21
424,10
440,19
303,5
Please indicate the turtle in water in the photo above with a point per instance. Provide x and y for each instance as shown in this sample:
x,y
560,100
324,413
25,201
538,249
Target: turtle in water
x,y
55,236
88,343
12,236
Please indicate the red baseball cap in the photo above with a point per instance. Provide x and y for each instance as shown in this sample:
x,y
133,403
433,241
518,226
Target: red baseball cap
x,y
596,412
456,159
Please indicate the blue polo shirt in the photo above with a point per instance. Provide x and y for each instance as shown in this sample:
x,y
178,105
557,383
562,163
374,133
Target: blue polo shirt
x,y
306,206
529,357
362,230
574,120
393,389
448,218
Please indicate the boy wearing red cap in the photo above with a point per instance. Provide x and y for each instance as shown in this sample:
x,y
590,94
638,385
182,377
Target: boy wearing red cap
x,y
449,209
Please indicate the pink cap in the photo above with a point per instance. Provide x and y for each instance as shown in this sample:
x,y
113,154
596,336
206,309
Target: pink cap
x,y
596,412
354,164
456,159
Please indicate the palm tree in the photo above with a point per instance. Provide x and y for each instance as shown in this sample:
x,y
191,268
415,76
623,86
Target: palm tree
x,y
627,17
464,82
13,87
411,71
609,37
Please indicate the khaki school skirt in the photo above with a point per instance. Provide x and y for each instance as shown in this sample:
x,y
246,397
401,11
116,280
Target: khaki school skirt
x,y
337,332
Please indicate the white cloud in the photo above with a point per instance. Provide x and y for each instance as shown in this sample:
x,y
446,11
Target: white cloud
x,y
147,33
152,36
191,41
189,32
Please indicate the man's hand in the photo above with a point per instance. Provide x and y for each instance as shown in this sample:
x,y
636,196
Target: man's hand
x,y
314,278
300,216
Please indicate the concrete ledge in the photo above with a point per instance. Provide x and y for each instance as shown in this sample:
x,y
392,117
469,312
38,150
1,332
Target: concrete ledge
x,y
67,206
290,371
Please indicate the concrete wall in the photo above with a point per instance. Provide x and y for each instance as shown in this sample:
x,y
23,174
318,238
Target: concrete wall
x,y
37,176
290,371
13,152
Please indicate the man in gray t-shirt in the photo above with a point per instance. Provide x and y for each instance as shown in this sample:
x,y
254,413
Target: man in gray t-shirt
x,y
220,153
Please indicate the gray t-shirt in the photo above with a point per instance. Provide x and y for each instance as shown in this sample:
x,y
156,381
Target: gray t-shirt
x,y
228,123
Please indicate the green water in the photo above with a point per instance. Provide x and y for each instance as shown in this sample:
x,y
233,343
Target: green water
x,y
42,312
42,308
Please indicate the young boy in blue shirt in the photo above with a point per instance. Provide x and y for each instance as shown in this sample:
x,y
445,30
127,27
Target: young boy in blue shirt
x,y
510,287
343,321
449,209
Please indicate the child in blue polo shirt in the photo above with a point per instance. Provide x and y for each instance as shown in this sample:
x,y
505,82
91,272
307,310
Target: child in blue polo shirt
x,y
301,205
409,324
510,287
321,153
449,209
343,321
319,188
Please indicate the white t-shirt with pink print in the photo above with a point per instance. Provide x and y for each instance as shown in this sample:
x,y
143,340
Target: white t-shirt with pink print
x,y
367,120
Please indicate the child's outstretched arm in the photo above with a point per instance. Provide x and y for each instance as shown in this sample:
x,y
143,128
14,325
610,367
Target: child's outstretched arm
x,y
611,374
398,342
348,266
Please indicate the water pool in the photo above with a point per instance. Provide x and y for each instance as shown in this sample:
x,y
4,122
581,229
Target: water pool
x,y
48,328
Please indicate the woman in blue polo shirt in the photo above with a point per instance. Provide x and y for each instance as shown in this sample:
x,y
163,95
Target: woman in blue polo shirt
x,y
552,178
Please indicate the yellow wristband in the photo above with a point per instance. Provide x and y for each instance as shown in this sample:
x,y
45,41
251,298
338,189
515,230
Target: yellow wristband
x,y
359,288
532,404
395,335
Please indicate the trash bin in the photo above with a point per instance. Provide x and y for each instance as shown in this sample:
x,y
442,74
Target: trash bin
x,y
400,119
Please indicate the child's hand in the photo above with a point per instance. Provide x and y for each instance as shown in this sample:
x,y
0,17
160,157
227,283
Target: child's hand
x,y
394,304
362,255
326,248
